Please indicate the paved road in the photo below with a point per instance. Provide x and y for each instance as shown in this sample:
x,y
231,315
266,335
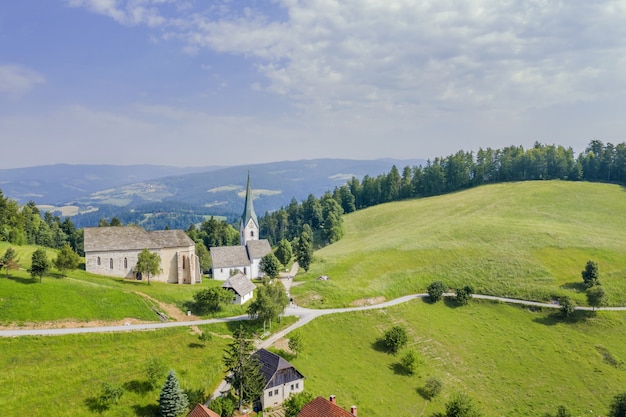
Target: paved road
x,y
304,314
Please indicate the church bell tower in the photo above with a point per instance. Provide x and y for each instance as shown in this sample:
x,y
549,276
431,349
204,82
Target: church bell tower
x,y
249,226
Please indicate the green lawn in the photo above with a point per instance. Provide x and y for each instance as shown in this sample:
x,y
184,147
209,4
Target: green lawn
x,y
527,240
63,375
81,296
512,361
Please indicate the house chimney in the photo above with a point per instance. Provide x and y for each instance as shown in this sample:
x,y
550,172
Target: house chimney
x,y
333,399
353,410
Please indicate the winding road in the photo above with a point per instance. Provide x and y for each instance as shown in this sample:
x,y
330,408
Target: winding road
x,y
305,315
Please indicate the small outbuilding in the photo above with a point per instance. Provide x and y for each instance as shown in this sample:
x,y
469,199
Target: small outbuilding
x,y
241,286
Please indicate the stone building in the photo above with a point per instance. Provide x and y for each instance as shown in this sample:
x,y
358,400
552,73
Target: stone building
x,y
114,251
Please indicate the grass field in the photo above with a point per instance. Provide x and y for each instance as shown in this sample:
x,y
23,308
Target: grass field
x,y
527,240
63,375
86,297
512,361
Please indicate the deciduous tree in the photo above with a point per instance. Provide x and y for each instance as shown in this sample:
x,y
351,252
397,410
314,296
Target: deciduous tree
x,y
596,296
148,263
464,295
436,290
270,302
66,259
461,405
39,264
269,265
294,403
209,300
296,343
618,406
568,306
432,387
395,339
9,260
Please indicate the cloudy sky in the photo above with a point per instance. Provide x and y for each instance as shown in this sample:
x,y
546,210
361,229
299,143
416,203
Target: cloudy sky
x,y
229,82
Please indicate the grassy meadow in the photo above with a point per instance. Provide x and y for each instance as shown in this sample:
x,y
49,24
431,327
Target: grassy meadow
x,y
527,240
512,361
63,375
81,296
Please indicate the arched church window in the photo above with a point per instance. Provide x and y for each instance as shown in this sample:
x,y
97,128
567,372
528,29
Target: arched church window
x,y
125,263
251,233
183,262
98,261
111,263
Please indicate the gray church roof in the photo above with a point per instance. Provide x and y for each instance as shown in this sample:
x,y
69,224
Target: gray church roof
x,y
101,239
171,238
258,248
229,256
248,208
240,284
275,369
98,239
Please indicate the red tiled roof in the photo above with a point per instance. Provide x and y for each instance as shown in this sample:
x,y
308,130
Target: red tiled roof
x,y
201,411
321,407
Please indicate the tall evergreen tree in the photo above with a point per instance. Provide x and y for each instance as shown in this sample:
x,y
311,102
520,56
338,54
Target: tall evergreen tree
x,y
173,401
244,368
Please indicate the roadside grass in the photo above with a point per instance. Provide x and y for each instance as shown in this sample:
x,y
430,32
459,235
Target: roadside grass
x,y
525,240
82,296
63,375
513,361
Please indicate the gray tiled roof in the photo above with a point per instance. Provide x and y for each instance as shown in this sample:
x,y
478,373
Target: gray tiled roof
x,y
240,284
171,238
99,239
258,248
229,256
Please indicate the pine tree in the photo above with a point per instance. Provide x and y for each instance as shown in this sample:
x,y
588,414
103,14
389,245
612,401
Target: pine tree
x,y
245,370
173,401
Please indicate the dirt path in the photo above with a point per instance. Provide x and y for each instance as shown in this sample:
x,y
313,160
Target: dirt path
x,y
172,311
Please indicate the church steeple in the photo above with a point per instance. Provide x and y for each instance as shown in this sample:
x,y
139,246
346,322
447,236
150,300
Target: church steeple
x,y
249,226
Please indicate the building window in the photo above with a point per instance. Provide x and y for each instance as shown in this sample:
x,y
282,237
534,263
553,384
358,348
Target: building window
x,y
111,263
125,263
245,270
297,385
98,261
183,262
275,392
292,387
251,233
270,394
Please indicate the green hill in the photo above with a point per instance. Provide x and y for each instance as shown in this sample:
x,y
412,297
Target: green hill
x,y
528,240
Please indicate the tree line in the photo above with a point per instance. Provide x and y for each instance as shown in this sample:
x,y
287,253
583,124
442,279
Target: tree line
x,y
26,225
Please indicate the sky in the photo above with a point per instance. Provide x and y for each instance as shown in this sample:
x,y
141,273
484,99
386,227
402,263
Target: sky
x,y
229,82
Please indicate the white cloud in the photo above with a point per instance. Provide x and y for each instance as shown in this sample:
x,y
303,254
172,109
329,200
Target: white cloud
x,y
16,80
402,54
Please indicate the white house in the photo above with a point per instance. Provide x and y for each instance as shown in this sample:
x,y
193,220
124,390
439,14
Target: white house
x,y
282,379
241,286
114,251
246,258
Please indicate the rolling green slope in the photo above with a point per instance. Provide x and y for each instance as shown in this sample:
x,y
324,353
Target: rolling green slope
x,y
528,240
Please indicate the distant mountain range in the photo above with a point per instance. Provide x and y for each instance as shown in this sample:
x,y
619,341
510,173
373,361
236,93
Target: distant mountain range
x,y
91,192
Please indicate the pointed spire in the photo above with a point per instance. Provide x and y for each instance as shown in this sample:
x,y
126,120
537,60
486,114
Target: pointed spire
x,y
248,211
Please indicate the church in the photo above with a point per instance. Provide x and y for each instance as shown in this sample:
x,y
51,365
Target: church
x,y
245,258
114,251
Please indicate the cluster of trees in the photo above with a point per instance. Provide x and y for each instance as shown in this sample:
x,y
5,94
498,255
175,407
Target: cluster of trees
x,y
269,303
26,225
323,216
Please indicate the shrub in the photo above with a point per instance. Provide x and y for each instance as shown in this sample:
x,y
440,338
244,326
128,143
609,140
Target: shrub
x,y
395,338
411,361
461,405
436,290
568,306
464,295
432,387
